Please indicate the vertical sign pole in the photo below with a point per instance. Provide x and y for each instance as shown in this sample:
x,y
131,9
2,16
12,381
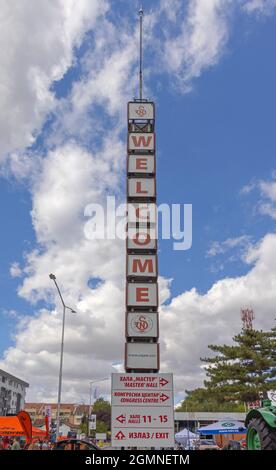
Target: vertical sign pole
x,y
142,325
145,420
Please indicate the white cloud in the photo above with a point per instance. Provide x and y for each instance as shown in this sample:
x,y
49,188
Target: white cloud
x,y
200,44
171,8
15,270
263,7
94,336
205,28
37,41
267,200
268,189
219,248
192,321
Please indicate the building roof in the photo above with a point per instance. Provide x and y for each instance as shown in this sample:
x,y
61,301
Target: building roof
x,y
71,407
207,416
10,376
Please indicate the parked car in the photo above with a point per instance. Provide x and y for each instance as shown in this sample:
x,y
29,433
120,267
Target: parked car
x,y
207,444
74,444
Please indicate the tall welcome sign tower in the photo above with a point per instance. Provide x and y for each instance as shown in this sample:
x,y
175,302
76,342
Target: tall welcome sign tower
x,y
142,399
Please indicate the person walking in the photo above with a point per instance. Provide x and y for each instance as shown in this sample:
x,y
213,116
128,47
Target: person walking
x,y
15,445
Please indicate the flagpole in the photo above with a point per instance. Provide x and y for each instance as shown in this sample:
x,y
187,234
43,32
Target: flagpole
x,y
90,398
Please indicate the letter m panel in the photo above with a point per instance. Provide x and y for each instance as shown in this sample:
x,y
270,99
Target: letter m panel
x,y
144,266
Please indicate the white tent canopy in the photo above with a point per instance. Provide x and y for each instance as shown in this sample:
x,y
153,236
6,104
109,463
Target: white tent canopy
x,y
183,436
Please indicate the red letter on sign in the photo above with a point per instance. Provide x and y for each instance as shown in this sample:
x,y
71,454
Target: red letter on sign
x,y
139,215
138,264
141,164
142,238
142,294
141,141
139,188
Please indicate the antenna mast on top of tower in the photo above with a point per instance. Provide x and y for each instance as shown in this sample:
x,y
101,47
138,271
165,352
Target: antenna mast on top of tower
x,y
141,14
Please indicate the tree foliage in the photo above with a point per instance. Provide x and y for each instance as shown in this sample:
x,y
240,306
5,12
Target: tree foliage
x,y
102,409
201,399
244,371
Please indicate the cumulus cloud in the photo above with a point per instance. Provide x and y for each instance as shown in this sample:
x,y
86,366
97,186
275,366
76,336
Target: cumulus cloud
x,y
219,248
192,320
200,44
94,336
37,41
205,29
263,7
15,270
267,195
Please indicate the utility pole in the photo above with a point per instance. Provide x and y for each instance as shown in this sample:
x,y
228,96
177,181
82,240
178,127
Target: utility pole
x,y
53,278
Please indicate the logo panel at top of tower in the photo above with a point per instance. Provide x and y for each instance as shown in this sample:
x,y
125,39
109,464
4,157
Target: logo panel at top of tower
x,y
141,111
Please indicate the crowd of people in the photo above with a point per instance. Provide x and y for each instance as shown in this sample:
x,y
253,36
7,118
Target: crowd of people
x,y
7,443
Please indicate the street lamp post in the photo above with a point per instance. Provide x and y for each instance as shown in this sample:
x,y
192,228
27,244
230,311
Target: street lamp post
x,y
53,277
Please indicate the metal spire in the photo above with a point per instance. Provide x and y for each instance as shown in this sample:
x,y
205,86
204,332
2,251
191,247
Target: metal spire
x,y
141,14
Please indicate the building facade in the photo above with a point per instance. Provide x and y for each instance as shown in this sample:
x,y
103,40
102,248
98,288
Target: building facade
x,y
12,393
70,413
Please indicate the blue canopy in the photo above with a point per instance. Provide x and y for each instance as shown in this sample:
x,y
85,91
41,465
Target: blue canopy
x,y
225,426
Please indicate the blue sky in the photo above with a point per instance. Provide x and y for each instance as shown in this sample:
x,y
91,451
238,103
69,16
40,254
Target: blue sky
x,y
216,150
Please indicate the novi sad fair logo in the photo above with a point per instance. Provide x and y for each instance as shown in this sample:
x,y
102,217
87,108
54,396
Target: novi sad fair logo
x,y
140,111
143,324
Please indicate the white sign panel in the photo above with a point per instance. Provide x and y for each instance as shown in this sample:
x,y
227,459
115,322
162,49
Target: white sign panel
x,y
100,436
127,417
141,141
141,238
142,213
272,396
141,325
142,438
142,410
48,411
142,295
141,163
142,381
141,187
144,356
142,265
92,421
140,110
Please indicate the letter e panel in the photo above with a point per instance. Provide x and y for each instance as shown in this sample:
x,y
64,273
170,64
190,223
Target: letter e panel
x,y
142,295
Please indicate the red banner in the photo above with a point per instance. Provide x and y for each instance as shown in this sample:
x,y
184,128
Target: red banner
x,y
26,423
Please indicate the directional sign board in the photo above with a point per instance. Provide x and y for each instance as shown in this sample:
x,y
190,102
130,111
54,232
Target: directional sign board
x,y
142,410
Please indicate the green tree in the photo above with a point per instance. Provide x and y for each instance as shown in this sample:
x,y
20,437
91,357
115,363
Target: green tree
x,y
83,426
101,426
102,409
245,370
201,399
